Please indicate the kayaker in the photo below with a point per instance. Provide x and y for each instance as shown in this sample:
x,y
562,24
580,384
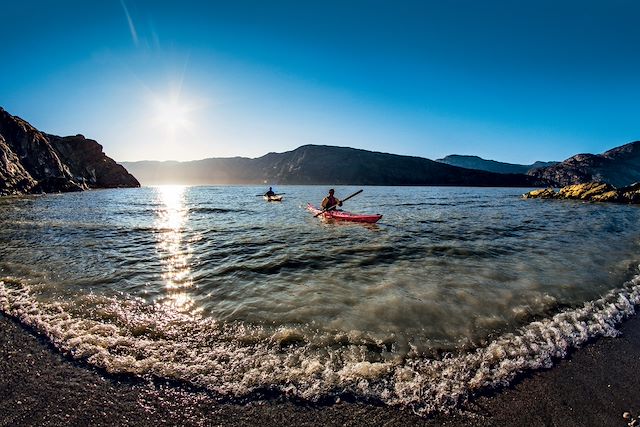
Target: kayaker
x,y
270,193
330,202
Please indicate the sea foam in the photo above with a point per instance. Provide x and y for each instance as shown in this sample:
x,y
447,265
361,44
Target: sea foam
x,y
128,336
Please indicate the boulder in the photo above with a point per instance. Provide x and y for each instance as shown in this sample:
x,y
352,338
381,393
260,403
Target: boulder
x,y
584,191
544,193
592,191
608,196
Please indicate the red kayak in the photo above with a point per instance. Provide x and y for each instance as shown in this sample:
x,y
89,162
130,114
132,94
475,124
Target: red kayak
x,y
344,216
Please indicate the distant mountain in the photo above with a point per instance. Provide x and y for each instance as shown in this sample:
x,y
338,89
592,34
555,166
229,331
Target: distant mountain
x,y
475,162
319,164
34,162
619,167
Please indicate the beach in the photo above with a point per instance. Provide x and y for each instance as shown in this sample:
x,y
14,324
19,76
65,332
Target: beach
x,y
595,386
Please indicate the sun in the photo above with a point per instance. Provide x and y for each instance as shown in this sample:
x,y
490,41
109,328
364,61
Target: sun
x,y
172,114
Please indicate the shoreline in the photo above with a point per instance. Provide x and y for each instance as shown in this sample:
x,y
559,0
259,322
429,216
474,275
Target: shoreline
x,y
595,385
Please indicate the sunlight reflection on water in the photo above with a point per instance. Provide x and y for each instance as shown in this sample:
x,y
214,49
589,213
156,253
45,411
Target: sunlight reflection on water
x,y
444,266
218,288
175,251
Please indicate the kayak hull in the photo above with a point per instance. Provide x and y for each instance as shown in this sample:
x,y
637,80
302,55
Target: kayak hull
x,y
345,216
272,198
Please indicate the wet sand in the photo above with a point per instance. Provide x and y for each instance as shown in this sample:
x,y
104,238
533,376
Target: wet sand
x,y
40,386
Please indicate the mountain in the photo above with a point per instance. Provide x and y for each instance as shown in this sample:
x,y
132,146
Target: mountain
x,y
320,164
475,162
619,167
34,162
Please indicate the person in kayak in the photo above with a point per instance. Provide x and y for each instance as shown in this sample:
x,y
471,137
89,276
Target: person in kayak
x,y
330,202
270,193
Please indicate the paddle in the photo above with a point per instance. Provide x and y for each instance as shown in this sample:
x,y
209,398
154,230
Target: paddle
x,y
276,194
343,200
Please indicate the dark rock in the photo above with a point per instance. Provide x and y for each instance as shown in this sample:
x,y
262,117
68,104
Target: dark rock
x,y
631,192
56,185
31,162
31,147
14,178
89,165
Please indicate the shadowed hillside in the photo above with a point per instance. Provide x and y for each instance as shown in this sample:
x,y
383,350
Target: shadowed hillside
x,y
319,164
619,167
475,162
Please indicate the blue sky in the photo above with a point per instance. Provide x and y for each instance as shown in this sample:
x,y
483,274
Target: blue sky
x,y
511,81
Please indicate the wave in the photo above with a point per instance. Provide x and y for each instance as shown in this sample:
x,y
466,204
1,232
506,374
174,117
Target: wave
x,y
127,336
205,210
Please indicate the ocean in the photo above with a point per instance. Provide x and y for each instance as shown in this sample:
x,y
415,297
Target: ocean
x,y
454,291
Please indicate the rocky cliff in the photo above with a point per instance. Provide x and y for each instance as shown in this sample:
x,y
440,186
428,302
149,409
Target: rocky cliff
x,y
475,162
88,163
34,162
619,167
319,164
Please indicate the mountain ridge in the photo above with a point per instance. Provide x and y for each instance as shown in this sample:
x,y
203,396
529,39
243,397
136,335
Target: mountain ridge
x,y
476,162
323,164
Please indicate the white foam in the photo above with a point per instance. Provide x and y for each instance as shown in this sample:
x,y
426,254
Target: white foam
x,y
127,336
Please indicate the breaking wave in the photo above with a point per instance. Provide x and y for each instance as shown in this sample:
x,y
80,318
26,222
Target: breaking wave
x,y
233,359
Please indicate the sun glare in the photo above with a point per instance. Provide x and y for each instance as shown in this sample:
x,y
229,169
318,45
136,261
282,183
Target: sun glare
x,y
172,114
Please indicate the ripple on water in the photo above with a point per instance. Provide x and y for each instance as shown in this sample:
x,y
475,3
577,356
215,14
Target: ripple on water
x,y
457,290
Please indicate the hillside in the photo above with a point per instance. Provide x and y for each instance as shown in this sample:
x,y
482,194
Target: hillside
x,y
319,164
475,162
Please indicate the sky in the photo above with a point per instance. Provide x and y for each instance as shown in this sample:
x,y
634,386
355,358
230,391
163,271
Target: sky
x,y
514,81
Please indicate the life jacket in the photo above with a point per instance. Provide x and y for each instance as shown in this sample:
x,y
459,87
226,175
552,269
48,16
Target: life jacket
x,y
329,201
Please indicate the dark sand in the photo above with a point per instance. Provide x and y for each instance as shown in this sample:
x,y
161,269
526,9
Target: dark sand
x,y
40,386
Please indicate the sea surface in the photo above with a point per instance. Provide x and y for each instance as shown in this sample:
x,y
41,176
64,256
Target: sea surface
x,y
453,291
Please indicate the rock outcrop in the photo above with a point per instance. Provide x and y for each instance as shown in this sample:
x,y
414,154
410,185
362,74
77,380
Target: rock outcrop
x,y
619,166
88,163
34,162
592,192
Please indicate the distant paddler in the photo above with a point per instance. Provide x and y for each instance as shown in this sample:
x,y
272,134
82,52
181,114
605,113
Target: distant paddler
x,y
271,196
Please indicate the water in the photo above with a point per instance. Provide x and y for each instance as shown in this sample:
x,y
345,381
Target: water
x,y
456,289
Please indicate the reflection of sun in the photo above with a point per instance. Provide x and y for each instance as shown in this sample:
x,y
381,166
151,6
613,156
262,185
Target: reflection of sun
x,y
175,252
